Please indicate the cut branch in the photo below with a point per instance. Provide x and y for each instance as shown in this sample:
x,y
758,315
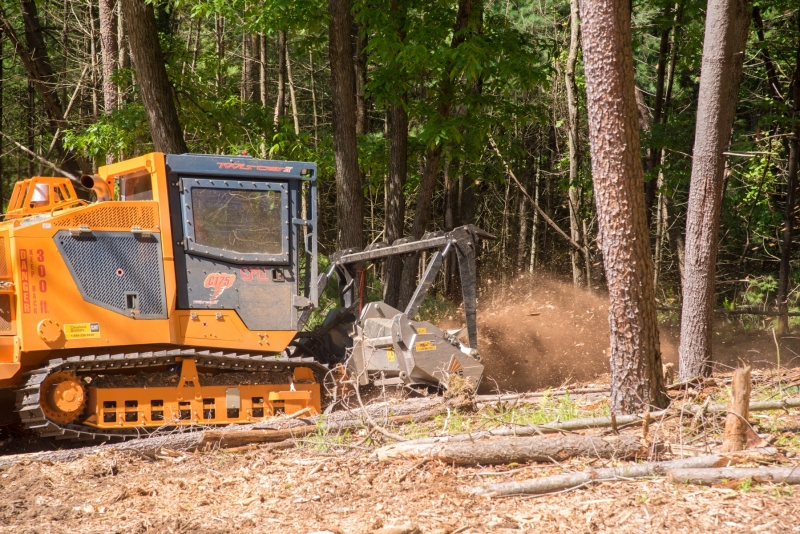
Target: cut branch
x,y
568,481
520,450
718,475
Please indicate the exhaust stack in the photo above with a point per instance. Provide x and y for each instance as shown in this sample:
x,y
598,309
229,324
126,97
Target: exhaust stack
x,y
96,184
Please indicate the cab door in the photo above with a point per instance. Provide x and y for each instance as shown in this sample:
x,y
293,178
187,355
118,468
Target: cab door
x,y
237,248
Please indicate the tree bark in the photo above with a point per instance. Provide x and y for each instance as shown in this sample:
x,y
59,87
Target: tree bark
x,y
154,85
636,374
110,50
727,23
785,275
280,102
349,195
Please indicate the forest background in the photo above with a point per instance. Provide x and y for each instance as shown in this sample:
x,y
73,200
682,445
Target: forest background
x,y
459,119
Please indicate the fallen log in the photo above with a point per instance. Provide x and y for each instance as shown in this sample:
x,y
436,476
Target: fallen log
x,y
719,475
519,450
566,481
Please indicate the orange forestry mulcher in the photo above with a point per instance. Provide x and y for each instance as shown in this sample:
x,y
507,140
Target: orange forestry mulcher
x,y
178,297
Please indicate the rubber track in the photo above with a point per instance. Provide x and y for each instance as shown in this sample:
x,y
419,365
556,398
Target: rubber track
x,y
34,418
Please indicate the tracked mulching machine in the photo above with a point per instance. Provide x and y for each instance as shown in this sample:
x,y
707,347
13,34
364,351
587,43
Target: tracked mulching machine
x,y
179,297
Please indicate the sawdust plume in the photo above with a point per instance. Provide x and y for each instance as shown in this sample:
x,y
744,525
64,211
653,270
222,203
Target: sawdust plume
x,y
537,333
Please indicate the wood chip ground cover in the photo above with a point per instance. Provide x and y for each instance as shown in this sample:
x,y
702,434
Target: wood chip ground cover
x,y
335,484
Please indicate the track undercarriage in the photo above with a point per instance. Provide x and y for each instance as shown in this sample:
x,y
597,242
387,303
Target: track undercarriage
x,y
124,396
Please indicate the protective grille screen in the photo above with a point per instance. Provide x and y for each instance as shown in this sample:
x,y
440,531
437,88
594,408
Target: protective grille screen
x,y
247,222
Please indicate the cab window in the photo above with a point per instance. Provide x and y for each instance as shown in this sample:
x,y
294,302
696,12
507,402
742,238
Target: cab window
x,y
239,221
135,186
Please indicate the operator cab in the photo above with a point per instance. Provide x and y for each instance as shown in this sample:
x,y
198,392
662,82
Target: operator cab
x,y
236,223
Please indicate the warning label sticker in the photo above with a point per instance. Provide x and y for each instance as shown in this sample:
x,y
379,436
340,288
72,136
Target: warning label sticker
x,y
390,355
425,345
422,330
82,330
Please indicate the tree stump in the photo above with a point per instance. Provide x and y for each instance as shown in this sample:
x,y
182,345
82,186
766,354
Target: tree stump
x,y
736,424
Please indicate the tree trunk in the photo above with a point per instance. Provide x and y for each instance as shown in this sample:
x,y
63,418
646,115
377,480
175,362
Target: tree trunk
x,y
250,75
785,276
727,23
522,237
313,96
574,193
636,374
262,69
292,97
534,224
654,158
154,85
110,49
349,195
280,102
395,200
360,65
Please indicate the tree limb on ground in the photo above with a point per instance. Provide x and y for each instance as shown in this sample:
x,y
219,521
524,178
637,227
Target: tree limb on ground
x,y
566,481
519,450
719,475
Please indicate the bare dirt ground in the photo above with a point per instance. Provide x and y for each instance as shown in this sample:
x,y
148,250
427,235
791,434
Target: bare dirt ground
x,y
335,483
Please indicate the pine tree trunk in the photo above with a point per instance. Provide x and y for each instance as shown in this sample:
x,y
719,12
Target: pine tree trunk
x,y
155,88
727,24
349,195
110,50
791,196
636,374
